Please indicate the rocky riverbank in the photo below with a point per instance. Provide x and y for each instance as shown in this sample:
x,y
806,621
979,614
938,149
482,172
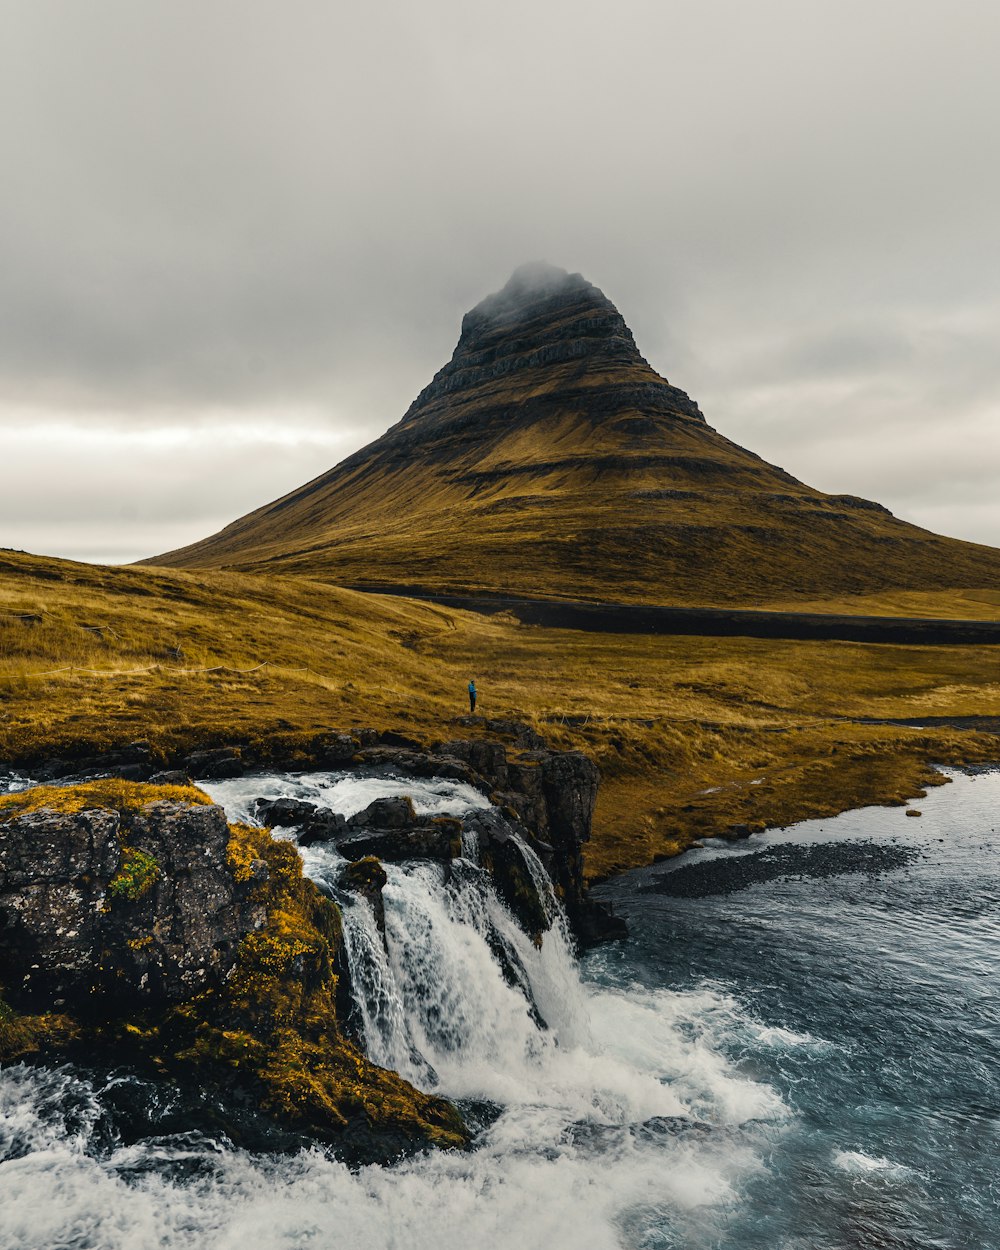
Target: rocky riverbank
x,y
550,794
137,926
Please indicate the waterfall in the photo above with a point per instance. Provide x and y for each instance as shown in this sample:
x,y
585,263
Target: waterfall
x,y
458,993
454,994
607,1112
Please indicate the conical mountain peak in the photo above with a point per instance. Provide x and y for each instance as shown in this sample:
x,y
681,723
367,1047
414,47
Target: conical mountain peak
x,y
544,327
533,290
548,458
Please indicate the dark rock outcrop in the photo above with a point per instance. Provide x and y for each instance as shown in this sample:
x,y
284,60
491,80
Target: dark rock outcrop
x,y
170,777
421,763
439,839
387,813
366,878
283,813
312,823
97,911
325,826
153,935
504,847
215,765
488,759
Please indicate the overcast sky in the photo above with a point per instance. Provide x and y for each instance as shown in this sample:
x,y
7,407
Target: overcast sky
x,y
236,238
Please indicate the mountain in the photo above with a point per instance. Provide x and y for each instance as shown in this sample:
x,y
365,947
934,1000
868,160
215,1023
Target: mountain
x,y
548,458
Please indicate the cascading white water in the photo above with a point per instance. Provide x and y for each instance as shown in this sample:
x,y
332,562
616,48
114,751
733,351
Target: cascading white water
x,y
385,1031
638,1117
455,996
459,999
605,1118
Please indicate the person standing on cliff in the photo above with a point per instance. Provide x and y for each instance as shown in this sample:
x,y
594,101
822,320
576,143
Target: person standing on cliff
x,y
472,696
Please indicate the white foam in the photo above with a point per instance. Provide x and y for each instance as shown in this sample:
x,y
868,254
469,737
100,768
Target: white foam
x,y
616,1121
531,1184
857,1163
786,1039
345,793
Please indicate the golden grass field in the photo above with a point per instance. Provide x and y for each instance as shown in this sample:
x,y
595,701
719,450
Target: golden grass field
x,y
694,736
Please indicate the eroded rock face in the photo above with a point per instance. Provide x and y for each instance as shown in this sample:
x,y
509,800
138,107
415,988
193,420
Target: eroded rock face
x,y
283,813
390,829
542,318
98,912
503,846
222,762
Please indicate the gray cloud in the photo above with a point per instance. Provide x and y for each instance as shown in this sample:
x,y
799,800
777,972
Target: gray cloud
x,y
280,212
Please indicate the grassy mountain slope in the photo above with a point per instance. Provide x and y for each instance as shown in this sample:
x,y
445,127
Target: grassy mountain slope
x,y
693,735
548,458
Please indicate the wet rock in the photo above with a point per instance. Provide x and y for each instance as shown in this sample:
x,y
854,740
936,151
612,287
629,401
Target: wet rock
x,y
215,765
98,908
53,769
569,782
388,813
439,840
54,874
488,759
128,772
420,764
504,853
312,823
366,878
594,922
283,813
526,794
333,750
322,826
558,791
170,777
133,762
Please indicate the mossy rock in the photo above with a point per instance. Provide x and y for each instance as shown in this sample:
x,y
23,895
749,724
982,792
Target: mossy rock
x,y
269,1028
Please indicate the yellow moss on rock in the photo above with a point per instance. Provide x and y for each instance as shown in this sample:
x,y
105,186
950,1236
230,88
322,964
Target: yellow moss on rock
x,y
21,1036
111,793
273,1023
275,1019
244,850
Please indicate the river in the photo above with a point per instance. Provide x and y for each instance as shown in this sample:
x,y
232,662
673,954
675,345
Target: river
x,y
798,1048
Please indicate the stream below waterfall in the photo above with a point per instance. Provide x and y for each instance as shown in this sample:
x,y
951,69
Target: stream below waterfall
x,y
797,1048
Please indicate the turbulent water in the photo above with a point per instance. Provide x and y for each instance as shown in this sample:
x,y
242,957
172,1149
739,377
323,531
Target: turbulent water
x,y
801,1052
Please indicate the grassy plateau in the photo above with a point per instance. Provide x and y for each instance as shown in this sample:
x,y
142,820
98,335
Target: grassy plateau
x,y
694,736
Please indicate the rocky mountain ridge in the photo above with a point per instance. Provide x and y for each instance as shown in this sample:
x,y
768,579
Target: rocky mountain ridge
x,y
548,459
545,317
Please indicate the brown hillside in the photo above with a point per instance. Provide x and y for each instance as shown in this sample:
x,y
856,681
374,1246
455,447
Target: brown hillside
x,y
548,458
693,735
